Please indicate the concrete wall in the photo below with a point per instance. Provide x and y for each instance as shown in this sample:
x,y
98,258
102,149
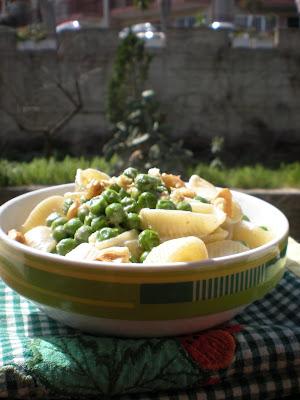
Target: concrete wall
x,y
249,96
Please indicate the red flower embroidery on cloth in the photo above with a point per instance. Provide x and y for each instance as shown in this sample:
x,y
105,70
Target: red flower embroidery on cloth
x,y
212,350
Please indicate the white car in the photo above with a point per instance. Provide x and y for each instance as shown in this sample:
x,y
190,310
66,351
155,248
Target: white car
x,y
147,32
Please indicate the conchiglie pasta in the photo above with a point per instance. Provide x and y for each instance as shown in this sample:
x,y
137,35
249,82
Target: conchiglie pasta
x,y
223,248
252,235
175,223
41,211
202,187
178,250
218,234
115,241
40,238
85,176
200,207
237,213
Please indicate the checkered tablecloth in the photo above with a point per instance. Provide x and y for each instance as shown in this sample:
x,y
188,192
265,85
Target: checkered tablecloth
x,y
266,363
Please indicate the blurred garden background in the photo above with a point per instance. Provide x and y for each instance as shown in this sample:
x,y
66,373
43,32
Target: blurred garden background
x,y
190,86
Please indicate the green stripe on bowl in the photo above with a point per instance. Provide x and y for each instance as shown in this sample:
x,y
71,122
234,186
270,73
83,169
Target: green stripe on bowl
x,y
143,311
145,293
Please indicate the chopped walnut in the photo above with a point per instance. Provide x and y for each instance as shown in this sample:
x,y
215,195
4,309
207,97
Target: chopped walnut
x,y
181,193
94,188
72,211
224,201
17,236
124,181
173,181
114,254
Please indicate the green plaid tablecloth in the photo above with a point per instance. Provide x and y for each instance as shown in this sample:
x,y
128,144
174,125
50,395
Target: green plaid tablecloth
x,y
40,358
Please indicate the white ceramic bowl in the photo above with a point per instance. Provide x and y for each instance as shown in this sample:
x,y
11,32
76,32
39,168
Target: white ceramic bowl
x,y
135,299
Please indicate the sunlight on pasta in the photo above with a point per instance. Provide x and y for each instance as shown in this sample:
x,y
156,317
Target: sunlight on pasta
x,y
145,218
40,212
223,248
177,250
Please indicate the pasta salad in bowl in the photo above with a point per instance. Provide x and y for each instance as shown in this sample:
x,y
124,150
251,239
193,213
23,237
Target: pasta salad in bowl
x,y
141,254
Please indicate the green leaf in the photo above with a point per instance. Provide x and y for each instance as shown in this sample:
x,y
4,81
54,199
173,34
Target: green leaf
x,y
87,365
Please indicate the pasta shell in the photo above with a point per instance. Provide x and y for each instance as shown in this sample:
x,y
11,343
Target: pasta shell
x,y
253,235
41,211
200,207
88,252
202,187
237,213
40,238
176,223
84,251
134,248
114,254
115,241
183,249
223,248
74,195
218,234
85,176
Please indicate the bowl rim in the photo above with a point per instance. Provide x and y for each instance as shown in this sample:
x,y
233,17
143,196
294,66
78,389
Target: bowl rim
x,y
133,267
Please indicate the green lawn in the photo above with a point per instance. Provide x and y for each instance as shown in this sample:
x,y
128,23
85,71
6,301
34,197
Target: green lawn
x,y
48,172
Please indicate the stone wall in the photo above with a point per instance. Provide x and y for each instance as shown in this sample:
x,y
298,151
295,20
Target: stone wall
x,y
251,97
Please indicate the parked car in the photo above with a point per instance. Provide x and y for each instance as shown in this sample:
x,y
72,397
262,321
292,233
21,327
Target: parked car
x,y
147,32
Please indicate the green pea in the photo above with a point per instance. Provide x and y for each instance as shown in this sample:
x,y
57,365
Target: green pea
x,y
98,223
98,205
148,239
107,233
88,219
129,204
130,172
264,228
131,208
65,246
52,217
184,206
245,218
59,233
58,221
133,259
127,201
166,205
143,256
115,213
82,212
83,233
146,200
202,199
161,189
134,193
111,196
147,183
133,221
123,194
83,199
67,205
115,187
72,225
